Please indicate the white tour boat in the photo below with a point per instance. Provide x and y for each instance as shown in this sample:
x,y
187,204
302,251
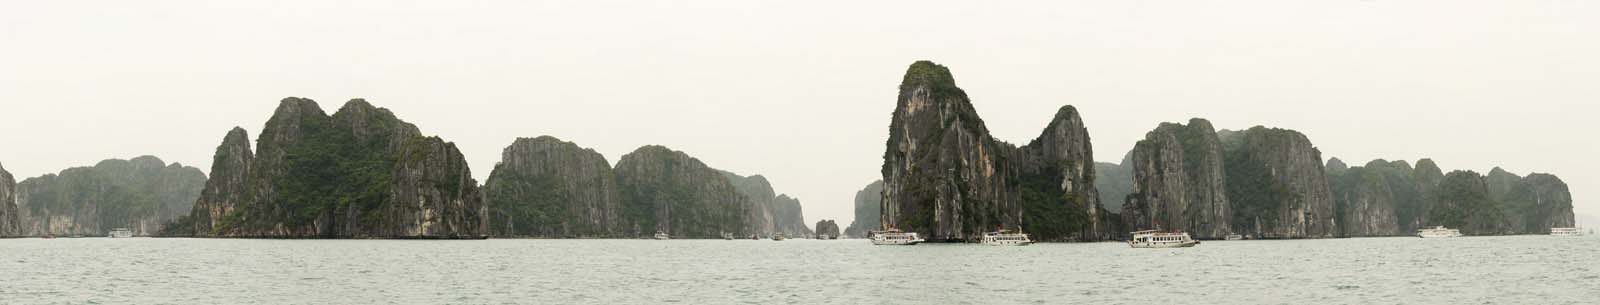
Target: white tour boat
x,y
1438,232
1006,238
1234,237
661,236
1566,232
1158,239
893,237
780,236
121,233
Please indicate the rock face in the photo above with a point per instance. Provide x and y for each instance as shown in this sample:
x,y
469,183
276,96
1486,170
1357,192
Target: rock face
x,y
360,173
545,187
140,194
1427,176
1114,182
769,214
1529,205
10,223
1537,203
869,205
1385,198
788,216
1464,203
946,178
669,191
761,218
1277,184
548,188
1178,182
1500,182
1370,200
827,229
225,191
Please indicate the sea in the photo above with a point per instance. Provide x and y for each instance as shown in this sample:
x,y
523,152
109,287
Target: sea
x,y
1400,270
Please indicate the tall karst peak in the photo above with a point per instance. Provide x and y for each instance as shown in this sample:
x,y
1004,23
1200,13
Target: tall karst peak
x,y
945,176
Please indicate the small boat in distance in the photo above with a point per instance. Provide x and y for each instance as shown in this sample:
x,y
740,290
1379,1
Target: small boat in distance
x,y
894,237
661,236
780,236
1006,238
1438,232
1234,237
120,233
826,236
1158,239
727,236
1566,232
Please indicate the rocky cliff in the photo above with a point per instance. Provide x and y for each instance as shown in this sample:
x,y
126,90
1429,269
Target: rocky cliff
x,y
769,213
1384,198
140,194
1537,203
868,206
1465,204
546,187
1370,200
10,223
1114,182
1178,182
1427,175
1277,184
761,218
788,216
360,173
224,192
948,179
827,229
1499,182
669,191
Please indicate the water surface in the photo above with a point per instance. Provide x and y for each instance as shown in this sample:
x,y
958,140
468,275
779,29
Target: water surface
x,y
1472,270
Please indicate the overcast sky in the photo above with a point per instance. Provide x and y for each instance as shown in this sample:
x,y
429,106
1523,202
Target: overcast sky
x,y
802,91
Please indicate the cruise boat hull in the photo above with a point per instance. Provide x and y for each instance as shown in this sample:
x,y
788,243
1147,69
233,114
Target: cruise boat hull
x,y
1187,244
895,238
1438,232
1566,232
120,233
1006,238
1157,239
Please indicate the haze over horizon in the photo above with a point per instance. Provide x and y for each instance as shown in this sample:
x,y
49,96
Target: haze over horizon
x,y
802,93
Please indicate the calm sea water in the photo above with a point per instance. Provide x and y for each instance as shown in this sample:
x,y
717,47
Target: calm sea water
x,y
1472,270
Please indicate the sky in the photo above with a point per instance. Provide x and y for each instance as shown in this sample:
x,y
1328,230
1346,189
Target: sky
x,y
802,91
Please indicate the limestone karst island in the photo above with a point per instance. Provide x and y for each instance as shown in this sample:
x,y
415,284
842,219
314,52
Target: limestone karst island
x,y
362,172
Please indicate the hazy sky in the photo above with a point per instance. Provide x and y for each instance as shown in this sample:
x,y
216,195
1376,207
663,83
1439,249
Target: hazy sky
x,y
802,91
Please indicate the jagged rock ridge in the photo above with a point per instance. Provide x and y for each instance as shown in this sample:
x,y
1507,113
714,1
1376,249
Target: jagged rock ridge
x,y
360,173
948,179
